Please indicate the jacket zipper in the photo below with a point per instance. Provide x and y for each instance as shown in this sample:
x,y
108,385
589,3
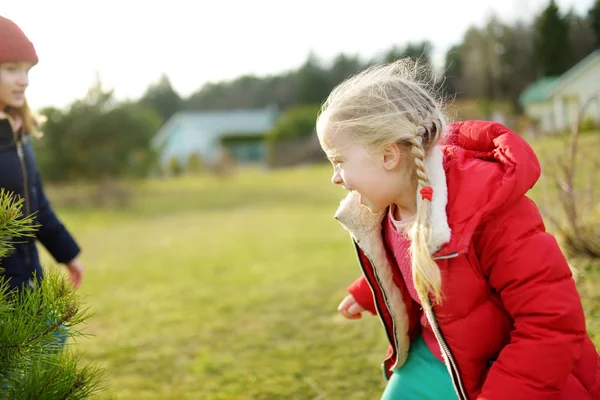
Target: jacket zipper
x,y
452,365
392,339
24,174
26,188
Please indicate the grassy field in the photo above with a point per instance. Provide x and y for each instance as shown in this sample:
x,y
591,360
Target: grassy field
x,y
227,289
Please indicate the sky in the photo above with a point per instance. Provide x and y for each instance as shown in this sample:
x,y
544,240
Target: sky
x,y
129,44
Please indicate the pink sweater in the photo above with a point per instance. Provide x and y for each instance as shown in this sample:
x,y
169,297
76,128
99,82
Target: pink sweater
x,y
398,243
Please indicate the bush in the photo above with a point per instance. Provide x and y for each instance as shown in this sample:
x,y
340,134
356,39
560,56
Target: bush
x,y
195,164
174,167
97,139
295,123
588,125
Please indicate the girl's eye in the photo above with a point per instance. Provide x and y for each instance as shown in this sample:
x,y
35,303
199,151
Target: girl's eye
x,y
15,68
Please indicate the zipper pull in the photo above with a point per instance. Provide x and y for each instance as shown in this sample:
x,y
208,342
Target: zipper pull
x,y
20,149
446,256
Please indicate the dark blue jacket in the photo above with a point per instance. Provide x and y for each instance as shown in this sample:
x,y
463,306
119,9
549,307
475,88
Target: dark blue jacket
x,y
19,174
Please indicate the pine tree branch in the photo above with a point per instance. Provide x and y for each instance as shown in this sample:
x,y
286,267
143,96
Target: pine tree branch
x,y
36,367
12,223
62,291
79,383
71,312
50,381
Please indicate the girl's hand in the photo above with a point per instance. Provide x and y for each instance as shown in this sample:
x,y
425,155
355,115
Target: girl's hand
x,y
75,272
350,308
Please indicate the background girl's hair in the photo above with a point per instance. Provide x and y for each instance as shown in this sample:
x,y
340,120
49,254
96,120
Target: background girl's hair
x,y
29,121
386,104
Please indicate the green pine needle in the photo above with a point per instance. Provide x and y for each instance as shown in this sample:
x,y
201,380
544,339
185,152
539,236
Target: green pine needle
x,y
33,365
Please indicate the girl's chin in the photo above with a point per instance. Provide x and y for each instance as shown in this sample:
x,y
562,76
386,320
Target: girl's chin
x,y
374,209
16,103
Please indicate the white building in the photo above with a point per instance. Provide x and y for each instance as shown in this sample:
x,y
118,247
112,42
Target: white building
x,y
554,102
203,132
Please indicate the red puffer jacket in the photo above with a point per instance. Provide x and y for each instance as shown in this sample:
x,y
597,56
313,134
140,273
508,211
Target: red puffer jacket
x,y
511,326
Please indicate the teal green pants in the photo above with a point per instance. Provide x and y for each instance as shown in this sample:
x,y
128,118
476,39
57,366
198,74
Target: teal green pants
x,y
423,377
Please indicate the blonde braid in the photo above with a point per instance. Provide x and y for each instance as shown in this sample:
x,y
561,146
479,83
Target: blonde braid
x,y
425,271
418,153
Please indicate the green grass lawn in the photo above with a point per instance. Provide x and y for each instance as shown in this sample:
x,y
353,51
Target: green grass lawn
x,y
227,289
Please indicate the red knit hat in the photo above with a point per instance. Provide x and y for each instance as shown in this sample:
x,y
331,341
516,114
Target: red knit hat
x,y
14,45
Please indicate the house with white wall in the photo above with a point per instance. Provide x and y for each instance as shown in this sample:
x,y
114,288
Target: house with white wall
x,y
554,102
202,133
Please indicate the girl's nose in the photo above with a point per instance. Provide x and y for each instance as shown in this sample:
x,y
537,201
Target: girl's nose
x,y
23,79
336,179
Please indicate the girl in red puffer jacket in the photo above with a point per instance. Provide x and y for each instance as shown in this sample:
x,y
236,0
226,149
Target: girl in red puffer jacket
x,y
476,298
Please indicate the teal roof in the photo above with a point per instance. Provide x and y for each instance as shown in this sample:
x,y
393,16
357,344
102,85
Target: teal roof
x,y
538,91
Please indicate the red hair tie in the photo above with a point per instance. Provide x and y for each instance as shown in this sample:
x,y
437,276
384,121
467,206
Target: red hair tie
x,y
427,193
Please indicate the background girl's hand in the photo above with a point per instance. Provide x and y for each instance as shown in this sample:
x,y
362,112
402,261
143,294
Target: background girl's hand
x,y
350,308
75,272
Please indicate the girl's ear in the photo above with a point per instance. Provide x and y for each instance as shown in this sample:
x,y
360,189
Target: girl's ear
x,y
392,155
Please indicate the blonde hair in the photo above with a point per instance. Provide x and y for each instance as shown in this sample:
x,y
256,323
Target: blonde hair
x,y
29,121
383,105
